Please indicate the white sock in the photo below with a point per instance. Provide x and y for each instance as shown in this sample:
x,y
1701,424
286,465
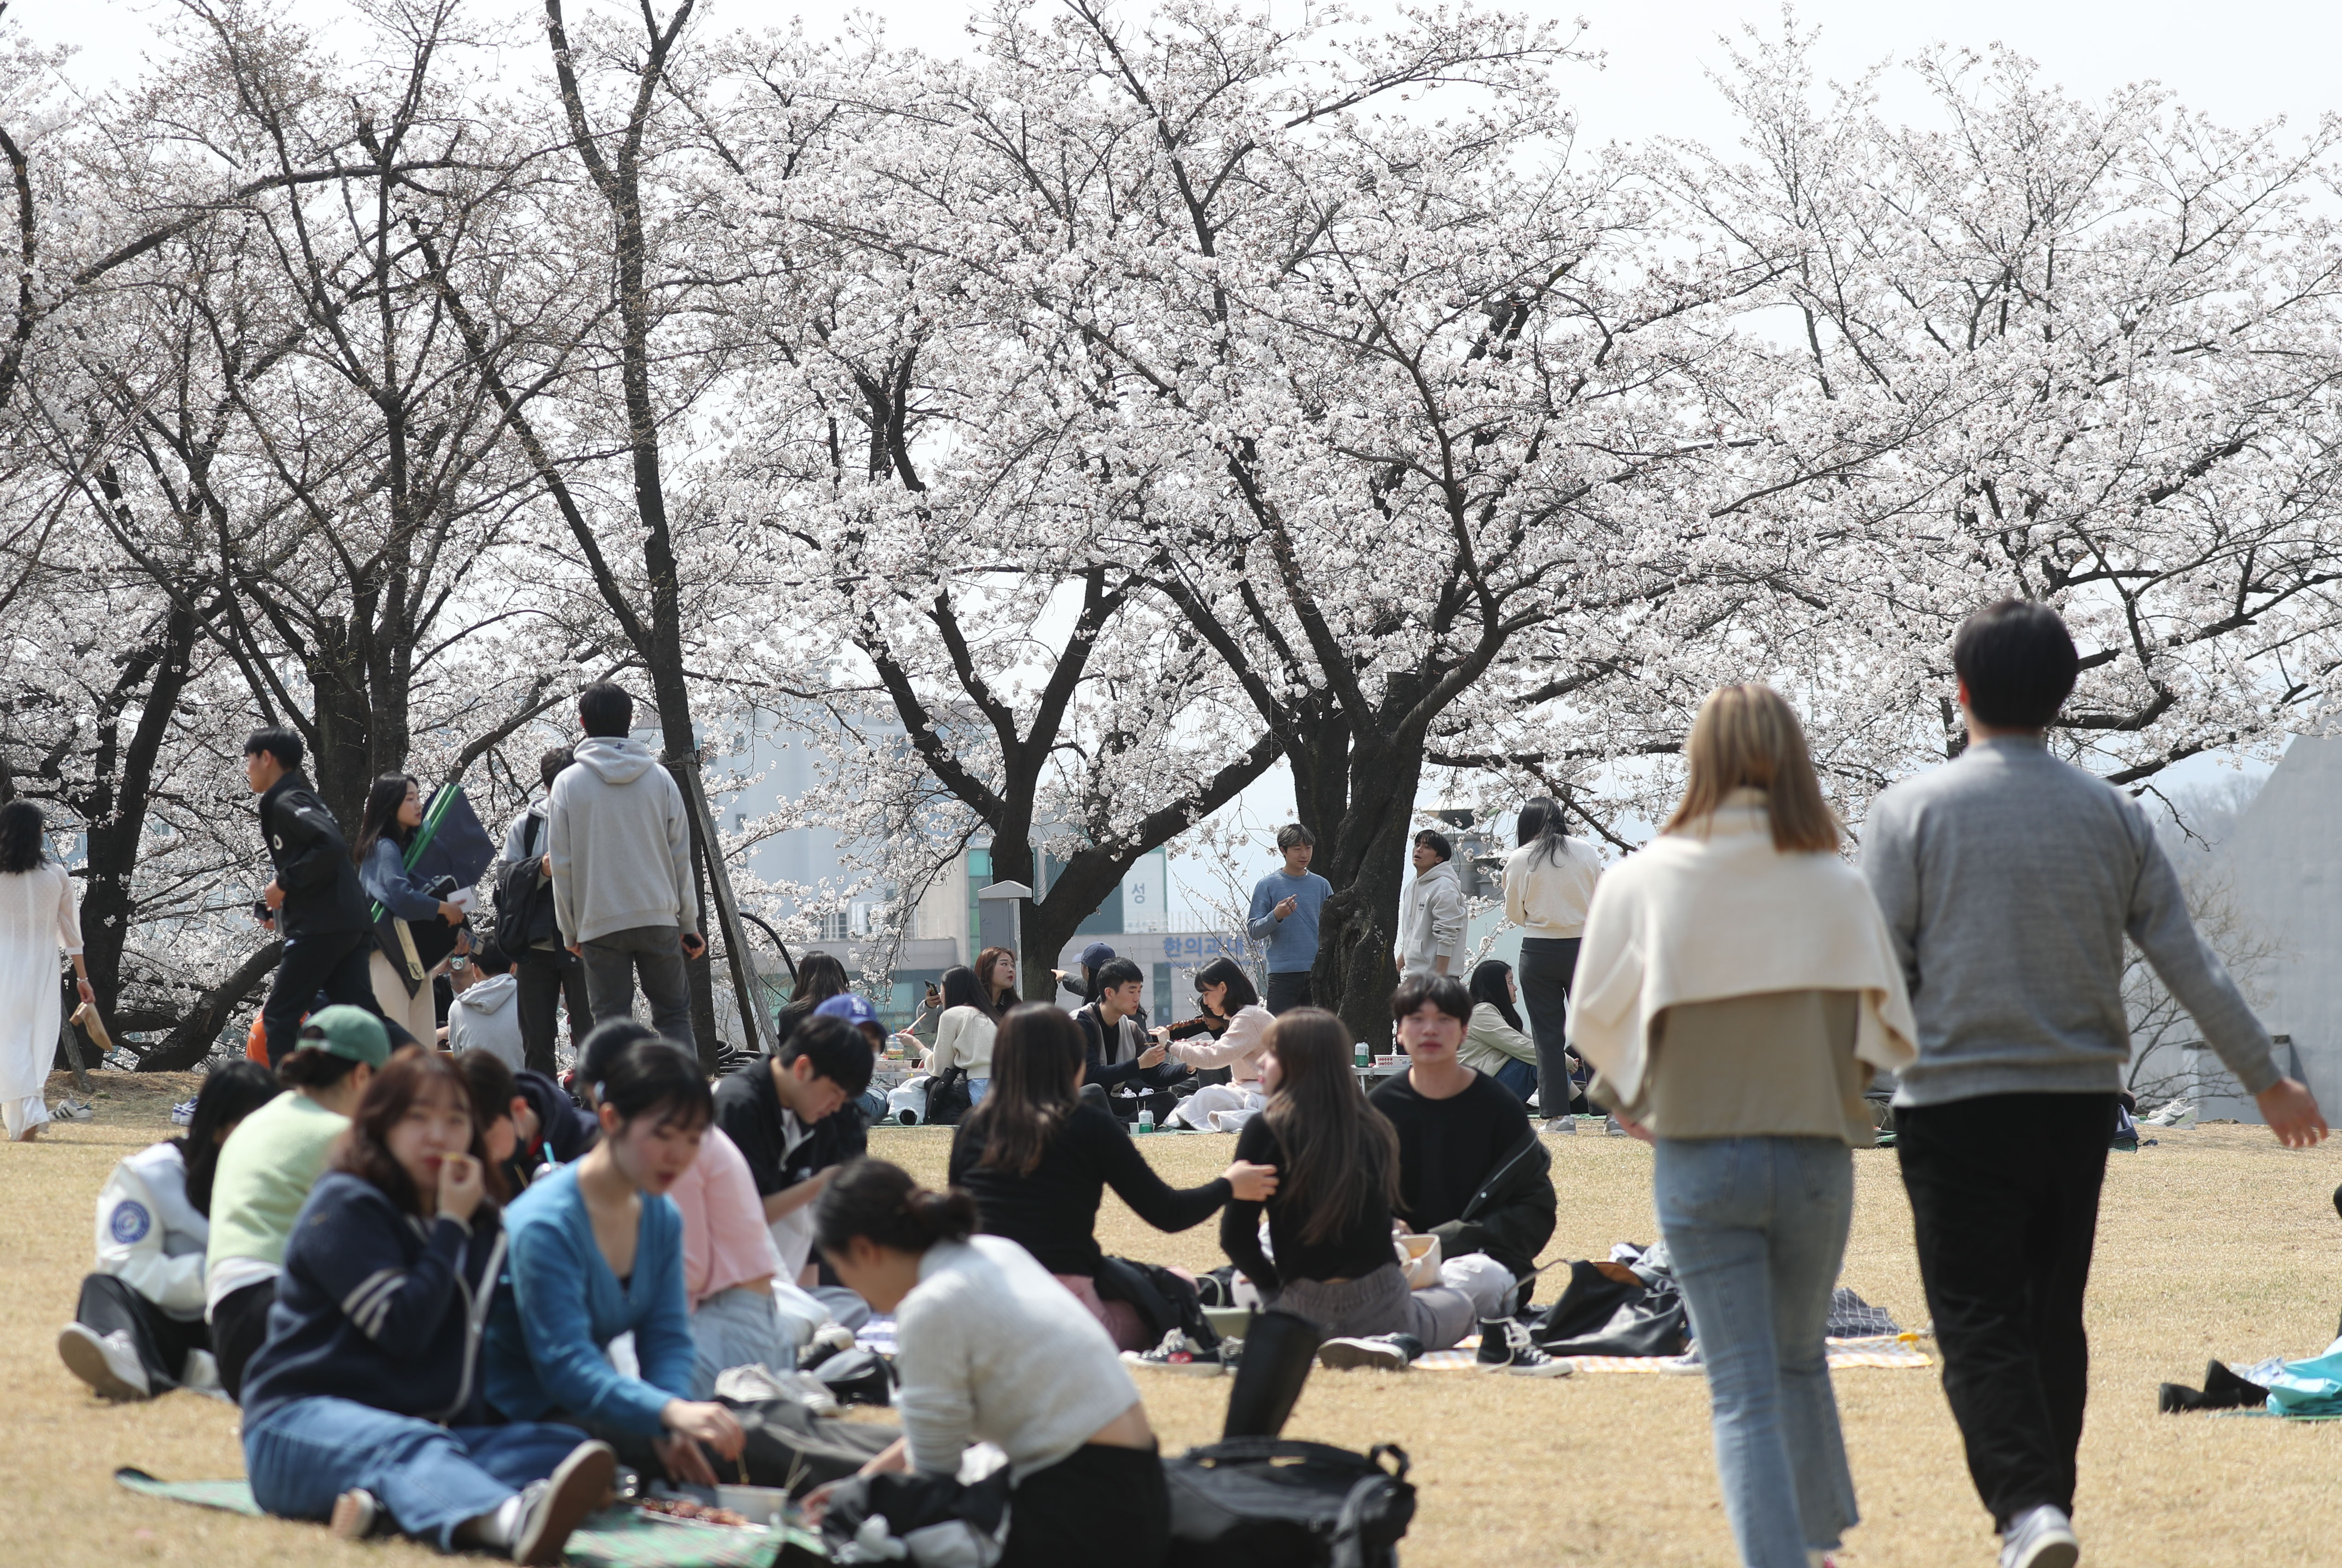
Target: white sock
x,y
500,1529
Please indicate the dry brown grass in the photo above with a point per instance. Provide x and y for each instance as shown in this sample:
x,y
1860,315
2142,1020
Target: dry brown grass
x,y
2215,1242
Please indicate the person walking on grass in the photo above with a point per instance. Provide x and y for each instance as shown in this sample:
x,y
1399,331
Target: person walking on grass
x,y
1284,909
317,903
1549,882
1735,989
2009,880
36,918
622,891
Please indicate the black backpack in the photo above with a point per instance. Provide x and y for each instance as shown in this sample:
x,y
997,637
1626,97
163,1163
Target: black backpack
x,y
525,899
1272,1503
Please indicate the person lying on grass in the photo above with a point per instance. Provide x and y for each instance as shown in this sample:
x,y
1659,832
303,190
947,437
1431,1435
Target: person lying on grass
x,y
597,1251
364,1407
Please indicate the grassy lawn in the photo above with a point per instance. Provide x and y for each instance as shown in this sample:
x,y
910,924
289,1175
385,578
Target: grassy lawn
x,y
2215,1242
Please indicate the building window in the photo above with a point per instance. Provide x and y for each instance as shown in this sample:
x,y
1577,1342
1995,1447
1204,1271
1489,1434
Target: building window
x,y
832,924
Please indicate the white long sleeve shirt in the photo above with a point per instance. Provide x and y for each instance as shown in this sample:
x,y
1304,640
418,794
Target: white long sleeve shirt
x,y
1237,1049
1547,895
148,1236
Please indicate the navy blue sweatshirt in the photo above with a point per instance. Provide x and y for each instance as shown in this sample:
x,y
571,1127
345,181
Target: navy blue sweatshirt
x,y
379,1307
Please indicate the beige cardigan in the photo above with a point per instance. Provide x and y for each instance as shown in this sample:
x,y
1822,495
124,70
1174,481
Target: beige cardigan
x,y
1698,917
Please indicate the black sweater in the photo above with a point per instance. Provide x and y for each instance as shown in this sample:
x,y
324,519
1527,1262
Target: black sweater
x,y
1053,1212
1354,1252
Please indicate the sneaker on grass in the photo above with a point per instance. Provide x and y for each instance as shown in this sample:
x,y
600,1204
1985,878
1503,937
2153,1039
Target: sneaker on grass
x,y
1506,1346
1380,1352
1179,1353
2040,1537
109,1364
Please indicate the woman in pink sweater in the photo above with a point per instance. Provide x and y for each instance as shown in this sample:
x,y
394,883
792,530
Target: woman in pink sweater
x,y
1225,992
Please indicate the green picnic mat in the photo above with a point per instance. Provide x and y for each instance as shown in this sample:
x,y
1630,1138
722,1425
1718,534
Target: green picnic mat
x,y
614,1538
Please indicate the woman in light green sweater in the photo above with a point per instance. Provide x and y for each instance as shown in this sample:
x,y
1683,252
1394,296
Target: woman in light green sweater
x,y
1494,1042
266,1171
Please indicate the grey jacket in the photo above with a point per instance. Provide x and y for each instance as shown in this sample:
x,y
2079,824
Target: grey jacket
x,y
2009,880
1431,921
620,843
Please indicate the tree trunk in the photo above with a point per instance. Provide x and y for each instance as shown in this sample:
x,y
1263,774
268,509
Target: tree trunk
x,y
186,1046
1356,970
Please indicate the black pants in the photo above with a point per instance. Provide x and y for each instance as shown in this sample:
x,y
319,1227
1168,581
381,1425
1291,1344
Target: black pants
x,y
549,979
2005,1206
1098,1504
239,1328
334,962
1288,991
108,1305
1548,965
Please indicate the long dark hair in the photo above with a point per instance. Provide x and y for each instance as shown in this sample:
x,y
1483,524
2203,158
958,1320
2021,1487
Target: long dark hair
x,y
1037,1069
364,1150
873,1199
962,989
1227,971
1340,1153
229,1094
984,962
23,846
820,976
1540,824
1488,986
654,1077
380,819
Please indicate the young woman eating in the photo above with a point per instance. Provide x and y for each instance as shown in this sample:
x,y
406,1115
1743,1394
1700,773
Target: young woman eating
x,y
394,810
1495,1042
964,1032
139,1330
365,1406
1737,986
266,1170
1036,1159
1226,990
992,1350
597,1251
1329,1221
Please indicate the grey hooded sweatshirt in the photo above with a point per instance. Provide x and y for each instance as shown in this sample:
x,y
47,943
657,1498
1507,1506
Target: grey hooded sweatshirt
x,y
1431,921
486,1017
621,843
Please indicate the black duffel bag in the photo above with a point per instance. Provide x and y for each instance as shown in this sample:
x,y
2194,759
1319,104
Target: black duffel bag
x,y
791,1446
1272,1503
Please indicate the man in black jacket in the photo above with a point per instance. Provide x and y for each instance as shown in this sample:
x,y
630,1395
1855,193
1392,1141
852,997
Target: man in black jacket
x,y
1113,1033
321,912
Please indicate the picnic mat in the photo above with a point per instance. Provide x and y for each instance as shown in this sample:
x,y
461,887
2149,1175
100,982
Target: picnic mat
x,y
1878,1350
614,1538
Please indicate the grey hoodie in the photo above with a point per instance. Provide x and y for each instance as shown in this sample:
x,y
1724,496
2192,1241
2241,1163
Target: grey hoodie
x,y
1431,921
620,842
486,1017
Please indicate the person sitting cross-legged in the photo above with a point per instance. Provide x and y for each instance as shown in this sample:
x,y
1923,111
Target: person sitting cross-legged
x,y
1471,1169
1226,990
364,1407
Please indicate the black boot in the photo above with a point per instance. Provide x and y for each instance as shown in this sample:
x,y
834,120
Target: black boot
x,y
1279,1348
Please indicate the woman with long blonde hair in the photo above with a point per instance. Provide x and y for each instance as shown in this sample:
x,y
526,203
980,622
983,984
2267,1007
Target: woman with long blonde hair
x,y
1735,990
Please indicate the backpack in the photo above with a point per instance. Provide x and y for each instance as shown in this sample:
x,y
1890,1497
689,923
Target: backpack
x,y
1272,1502
1162,1300
524,899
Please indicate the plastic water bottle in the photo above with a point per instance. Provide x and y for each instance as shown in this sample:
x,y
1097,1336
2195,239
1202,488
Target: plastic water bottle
x,y
1359,1056
1146,1118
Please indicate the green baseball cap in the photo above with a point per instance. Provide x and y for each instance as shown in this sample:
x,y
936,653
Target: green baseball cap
x,y
347,1032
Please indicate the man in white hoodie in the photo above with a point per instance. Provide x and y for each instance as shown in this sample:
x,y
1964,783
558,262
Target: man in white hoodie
x,y
621,848
1431,918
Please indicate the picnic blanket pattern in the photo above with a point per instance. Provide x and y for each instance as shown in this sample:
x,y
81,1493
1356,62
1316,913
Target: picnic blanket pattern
x,y
614,1538
1876,1350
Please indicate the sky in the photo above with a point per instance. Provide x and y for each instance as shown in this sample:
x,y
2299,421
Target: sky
x,y
2247,62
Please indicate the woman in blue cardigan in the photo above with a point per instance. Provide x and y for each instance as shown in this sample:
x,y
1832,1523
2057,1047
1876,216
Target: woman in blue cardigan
x,y
364,1407
596,1251
393,812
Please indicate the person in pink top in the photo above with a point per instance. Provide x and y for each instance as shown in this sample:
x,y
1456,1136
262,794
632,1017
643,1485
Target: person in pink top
x,y
1225,992
728,1264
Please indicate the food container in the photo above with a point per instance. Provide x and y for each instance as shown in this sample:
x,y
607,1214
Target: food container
x,y
766,1505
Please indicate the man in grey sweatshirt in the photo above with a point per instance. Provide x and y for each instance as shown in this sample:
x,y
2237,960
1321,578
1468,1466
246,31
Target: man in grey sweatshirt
x,y
2009,880
621,848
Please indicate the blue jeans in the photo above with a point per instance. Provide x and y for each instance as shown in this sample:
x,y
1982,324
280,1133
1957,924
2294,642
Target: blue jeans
x,y
1758,1228
977,1089
301,1456
737,1327
1520,1077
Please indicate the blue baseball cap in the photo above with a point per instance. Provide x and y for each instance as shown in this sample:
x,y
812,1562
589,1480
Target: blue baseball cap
x,y
851,1009
1095,955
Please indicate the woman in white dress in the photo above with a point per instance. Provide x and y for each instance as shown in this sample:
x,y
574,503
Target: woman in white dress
x,y
36,918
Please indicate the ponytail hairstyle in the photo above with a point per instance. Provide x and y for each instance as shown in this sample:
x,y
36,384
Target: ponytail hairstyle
x,y
1488,986
310,1065
1340,1152
229,1094
879,1202
380,820
1036,1068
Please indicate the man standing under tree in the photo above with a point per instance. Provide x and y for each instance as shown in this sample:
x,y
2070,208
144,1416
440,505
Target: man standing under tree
x,y
1432,919
2009,880
321,911
621,848
1284,905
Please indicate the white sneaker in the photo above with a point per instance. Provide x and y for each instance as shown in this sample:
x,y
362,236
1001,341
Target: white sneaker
x,y
107,1362
1378,1353
2040,1537
72,1110
550,1509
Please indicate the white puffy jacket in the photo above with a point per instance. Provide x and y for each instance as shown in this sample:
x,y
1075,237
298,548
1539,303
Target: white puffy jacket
x,y
148,1236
